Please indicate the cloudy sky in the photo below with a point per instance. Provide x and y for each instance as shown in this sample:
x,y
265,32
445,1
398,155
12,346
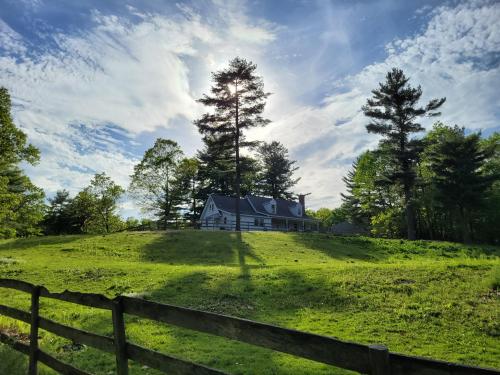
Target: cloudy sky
x,y
94,83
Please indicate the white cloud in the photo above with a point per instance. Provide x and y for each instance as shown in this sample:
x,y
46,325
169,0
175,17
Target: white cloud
x,y
135,75
144,77
445,59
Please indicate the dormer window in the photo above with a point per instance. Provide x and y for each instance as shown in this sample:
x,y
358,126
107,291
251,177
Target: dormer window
x,y
273,208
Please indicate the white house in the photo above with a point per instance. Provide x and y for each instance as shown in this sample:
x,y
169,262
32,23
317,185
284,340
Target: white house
x,y
256,213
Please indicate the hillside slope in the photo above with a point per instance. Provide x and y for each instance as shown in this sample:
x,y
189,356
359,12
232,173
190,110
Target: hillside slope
x,y
424,298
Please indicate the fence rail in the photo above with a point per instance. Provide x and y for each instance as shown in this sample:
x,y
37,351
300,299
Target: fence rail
x,y
366,359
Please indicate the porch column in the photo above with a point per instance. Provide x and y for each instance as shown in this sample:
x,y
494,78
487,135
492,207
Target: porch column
x,y
286,223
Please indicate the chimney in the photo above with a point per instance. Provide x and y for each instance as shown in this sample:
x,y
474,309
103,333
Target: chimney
x,y
302,201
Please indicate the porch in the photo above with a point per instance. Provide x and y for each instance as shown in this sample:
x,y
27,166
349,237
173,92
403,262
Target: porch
x,y
294,225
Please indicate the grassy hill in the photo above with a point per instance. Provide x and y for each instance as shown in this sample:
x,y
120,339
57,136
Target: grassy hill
x,y
425,298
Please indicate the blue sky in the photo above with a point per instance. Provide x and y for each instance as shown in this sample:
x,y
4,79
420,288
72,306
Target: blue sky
x,y
94,83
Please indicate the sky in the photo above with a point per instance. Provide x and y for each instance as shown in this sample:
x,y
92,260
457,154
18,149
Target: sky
x,y
94,83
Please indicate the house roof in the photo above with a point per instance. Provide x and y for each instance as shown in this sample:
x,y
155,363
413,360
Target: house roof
x,y
250,202
229,204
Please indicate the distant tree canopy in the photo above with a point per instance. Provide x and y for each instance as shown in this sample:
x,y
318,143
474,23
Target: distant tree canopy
x,y
92,210
457,190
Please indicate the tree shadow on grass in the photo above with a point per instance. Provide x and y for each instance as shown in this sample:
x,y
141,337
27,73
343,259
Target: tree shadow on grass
x,y
32,242
199,248
341,247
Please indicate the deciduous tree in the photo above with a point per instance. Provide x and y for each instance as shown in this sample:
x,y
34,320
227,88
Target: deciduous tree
x,y
153,181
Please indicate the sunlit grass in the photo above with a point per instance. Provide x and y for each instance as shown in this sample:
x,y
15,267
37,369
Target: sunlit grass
x,y
426,298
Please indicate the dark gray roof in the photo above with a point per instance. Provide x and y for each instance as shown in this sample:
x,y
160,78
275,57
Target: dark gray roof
x,y
229,204
282,206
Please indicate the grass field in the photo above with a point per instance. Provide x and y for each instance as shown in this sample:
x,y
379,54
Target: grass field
x,y
434,299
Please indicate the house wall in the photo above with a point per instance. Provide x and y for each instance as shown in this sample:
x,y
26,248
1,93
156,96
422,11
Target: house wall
x,y
247,223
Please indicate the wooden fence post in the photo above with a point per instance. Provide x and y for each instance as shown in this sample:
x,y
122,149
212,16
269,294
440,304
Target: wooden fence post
x,y
379,360
35,307
120,338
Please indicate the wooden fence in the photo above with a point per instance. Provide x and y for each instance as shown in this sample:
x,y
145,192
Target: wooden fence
x,y
365,359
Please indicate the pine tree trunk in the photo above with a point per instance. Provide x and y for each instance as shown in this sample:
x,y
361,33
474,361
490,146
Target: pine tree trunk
x,y
238,172
464,224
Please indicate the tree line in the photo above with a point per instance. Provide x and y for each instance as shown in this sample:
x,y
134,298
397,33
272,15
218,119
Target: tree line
x,y
442,185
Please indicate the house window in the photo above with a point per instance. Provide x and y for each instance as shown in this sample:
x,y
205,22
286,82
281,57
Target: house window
x,y
273,208
299,210
258,222
225,220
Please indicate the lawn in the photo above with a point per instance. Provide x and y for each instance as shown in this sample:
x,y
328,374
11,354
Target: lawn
x,y
433,299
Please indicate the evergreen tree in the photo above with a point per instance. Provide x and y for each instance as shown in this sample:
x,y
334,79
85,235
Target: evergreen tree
x,y
276,177
238,99
457,161
187,184
393,112
216,172
13,141
153,182
58,219
21,203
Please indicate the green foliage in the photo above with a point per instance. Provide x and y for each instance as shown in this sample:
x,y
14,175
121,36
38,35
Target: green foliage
x,y
103,195
21,202
387,223
13,141
421,298
457,190
393,110
187,184
329,217
457,161
276,175
154,183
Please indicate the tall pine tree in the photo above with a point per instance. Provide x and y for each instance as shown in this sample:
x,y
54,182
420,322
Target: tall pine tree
x,y
393,112
238,100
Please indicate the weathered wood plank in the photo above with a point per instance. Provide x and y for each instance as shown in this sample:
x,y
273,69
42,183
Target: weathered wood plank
x,y
14,344
59,366
120,340
166,363
88,299
379,360
82,337
15,313
35,307
16,284
409,365
54,363
315,347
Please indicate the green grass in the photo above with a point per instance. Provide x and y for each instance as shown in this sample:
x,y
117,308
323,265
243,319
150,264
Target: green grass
x,y
433,299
